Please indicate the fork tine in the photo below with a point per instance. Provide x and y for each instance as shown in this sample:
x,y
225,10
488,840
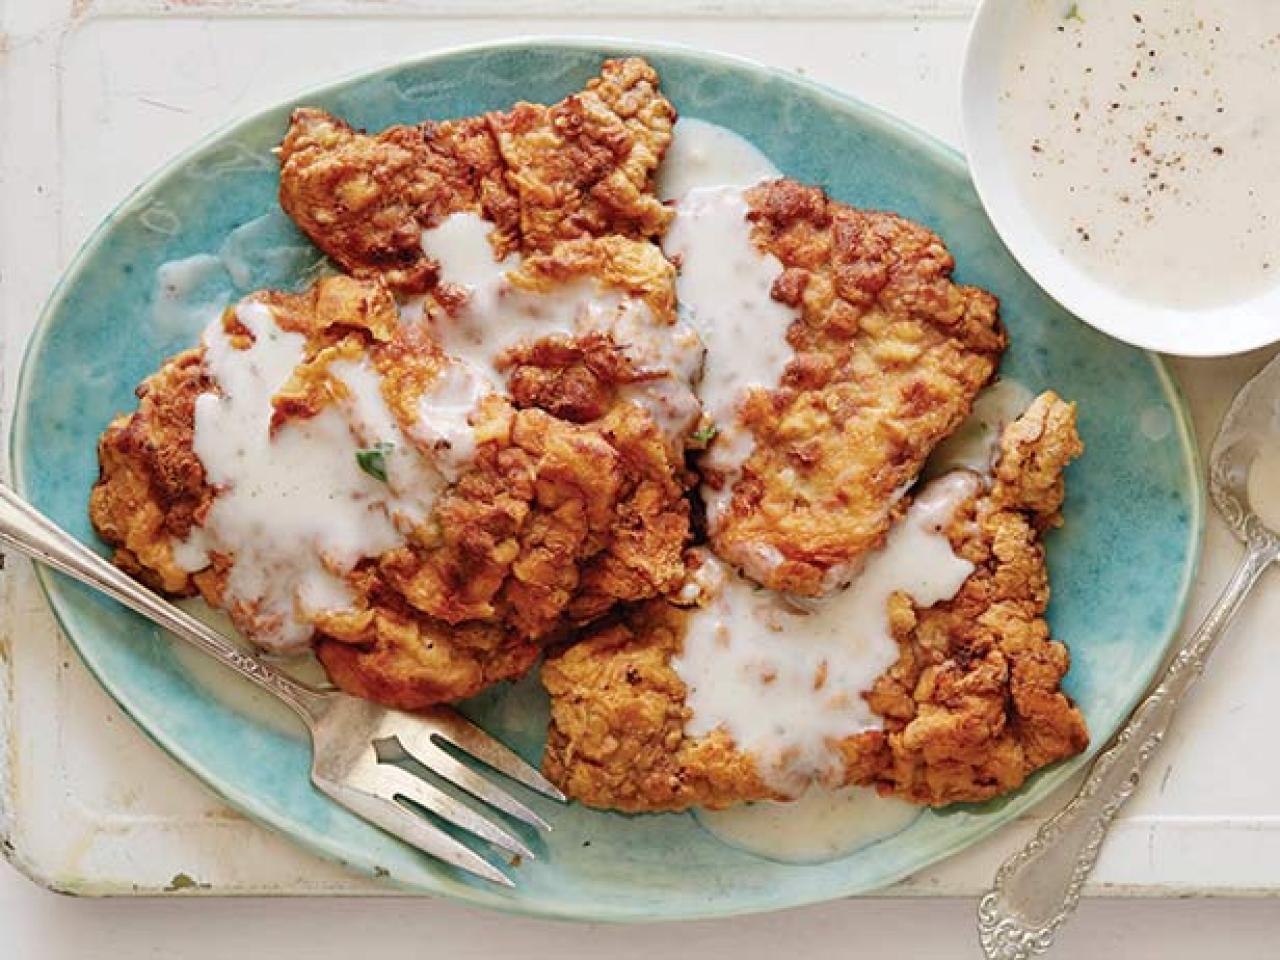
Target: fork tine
x,y
405,784
414,830
457,730
441,763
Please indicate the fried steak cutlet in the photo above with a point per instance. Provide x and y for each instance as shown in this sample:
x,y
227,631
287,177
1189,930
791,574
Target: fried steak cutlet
x,y
547,521
972,706
536,493
560,493
887,356
582,168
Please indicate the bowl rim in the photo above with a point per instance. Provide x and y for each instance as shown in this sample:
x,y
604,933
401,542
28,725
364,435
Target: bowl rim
x,y
1044,782
1130,321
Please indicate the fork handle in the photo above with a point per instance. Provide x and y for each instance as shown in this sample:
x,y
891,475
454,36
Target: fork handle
x,y
30,532
1038,888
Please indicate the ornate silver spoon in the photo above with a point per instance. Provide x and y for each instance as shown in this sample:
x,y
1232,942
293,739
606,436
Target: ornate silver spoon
x,y
1036,889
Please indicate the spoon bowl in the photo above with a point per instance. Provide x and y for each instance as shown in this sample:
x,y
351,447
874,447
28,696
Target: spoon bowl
x,y
1036,890
1250,428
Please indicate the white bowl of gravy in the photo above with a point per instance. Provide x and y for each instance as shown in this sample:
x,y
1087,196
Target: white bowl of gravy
x,y
1129,157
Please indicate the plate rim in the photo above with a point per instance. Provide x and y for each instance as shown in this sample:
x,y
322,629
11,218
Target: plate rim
x,y
444,884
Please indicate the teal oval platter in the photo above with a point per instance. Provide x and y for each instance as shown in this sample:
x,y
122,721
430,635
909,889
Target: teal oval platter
x,y
206,229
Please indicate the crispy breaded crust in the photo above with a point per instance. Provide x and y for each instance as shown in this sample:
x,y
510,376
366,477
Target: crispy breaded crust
x,y
974,704
586,166
573,512
364,200
151,485
971,708
889,356
581,168
616,738
552,522
577,378
409,661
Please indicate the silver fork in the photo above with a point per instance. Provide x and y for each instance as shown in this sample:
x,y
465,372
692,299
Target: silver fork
x,y
363,755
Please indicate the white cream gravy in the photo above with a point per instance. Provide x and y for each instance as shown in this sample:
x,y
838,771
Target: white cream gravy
x,y
293,506
295,509
976,442
819,825
1145,135
444,417
413,483
706,154
724,287
751,657
785,681
498,316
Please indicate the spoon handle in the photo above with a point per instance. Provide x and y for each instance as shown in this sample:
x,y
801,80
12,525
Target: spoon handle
x,y
1038,888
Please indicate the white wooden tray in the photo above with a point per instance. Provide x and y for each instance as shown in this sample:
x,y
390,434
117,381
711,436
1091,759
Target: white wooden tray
x,y
94,95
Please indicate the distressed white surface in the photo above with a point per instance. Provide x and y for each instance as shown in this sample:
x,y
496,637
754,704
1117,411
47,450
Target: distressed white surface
x,y
90,107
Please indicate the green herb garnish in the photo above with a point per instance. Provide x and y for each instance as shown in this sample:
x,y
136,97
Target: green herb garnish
x,y
373,460
1073,13
705,435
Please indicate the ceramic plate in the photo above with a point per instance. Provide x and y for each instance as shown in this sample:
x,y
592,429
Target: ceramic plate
x,y
206,228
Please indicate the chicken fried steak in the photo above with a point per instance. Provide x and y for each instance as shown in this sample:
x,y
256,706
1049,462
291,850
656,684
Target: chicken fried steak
x,y
840,353
966,709
327,472
582,168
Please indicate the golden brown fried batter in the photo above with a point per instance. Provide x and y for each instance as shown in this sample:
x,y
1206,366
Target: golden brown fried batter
x,y
156,487
579,376
889,354
581,168
974,704
551,522
616,739
572,512
364,200
971,708
586,166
